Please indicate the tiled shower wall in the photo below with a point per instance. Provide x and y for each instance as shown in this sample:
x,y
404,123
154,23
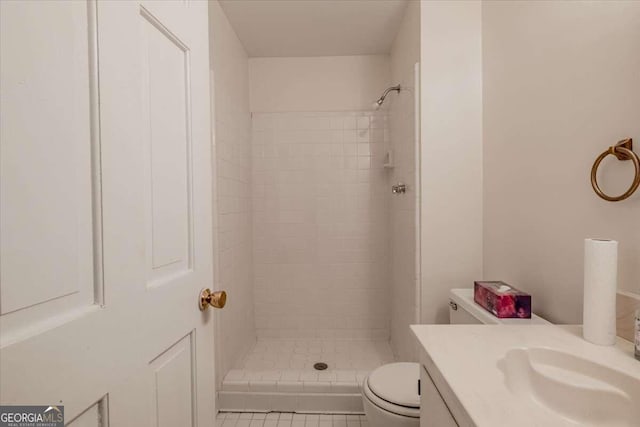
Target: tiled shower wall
x,y
320,215
405,53
403,221
232,125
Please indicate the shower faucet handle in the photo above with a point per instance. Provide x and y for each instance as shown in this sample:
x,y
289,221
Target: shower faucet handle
x,y
399,188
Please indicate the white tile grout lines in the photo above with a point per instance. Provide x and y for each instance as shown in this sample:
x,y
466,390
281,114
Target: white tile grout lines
x,y
288,419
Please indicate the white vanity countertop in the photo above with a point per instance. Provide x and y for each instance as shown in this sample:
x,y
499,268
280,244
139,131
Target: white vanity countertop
x,y
463,363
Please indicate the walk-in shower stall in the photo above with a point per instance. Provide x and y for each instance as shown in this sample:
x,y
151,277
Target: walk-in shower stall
x,y
316,225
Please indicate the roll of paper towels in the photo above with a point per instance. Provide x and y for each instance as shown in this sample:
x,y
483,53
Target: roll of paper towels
x,y
600,285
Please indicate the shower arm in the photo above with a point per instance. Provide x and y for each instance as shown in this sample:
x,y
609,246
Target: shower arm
x,y
386,92
377,104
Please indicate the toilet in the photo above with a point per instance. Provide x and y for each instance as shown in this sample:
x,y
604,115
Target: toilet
x,y
390,392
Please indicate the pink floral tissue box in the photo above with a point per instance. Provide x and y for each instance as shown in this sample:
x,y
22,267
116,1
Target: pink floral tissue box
x,y
502,300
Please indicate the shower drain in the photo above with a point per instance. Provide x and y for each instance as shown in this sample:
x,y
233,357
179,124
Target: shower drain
x,y
320,366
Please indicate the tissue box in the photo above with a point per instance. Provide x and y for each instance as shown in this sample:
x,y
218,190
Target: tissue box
x,y
502,300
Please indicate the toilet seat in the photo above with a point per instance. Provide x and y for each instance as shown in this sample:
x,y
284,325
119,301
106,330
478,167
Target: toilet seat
x,y
394,388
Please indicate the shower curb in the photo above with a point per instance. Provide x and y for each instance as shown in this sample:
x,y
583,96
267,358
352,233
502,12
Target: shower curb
x,y
346,403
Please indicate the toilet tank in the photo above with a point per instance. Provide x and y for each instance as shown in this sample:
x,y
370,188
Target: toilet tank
x,y
464,311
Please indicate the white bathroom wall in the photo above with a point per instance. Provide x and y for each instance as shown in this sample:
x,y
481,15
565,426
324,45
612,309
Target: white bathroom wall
x,y
233,241
322,83
320,225
451,151
561,84
405,54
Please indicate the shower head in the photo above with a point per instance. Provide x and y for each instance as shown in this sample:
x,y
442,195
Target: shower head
x,y
378,103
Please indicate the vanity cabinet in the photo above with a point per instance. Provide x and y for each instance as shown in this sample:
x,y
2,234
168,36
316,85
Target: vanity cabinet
x,y
433,409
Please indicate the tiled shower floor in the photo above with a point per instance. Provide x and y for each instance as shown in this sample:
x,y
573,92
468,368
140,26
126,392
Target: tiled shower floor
x,y
291,361
282,370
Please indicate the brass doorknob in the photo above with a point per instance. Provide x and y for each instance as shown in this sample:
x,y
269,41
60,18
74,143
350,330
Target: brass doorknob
x,y
216,299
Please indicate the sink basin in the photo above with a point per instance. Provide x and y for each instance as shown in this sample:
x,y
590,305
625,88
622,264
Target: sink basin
x,y
577,389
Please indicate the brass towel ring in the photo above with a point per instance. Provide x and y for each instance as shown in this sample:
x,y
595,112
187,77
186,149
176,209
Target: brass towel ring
x,y
623,150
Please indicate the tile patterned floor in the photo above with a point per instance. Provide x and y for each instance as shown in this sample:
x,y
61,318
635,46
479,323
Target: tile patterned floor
x,y
303,353
286,361
278,375
287,419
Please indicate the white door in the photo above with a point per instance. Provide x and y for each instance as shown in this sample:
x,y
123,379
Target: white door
x,y
105,213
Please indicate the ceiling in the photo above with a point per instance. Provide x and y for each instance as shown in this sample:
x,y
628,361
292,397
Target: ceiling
x,y
315,27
